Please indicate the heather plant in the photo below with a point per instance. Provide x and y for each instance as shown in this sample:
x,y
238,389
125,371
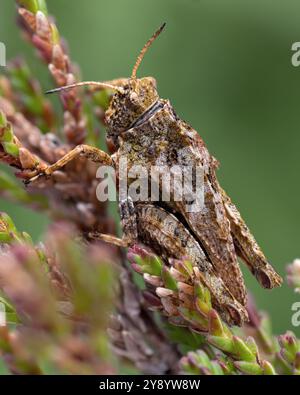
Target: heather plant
x,y
77,305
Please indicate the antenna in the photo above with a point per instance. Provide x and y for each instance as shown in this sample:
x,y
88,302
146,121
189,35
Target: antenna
x,y
145,49
95,83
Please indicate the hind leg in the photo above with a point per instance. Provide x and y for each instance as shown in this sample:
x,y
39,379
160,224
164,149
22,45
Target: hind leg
x,y
128,223
248,249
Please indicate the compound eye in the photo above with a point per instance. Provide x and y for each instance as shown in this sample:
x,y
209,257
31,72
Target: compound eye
x,y
134,98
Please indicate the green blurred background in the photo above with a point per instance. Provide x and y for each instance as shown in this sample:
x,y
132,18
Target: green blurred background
x,y
226,67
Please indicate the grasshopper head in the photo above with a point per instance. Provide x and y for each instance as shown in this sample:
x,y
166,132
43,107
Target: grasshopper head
x,y
133,96
129,104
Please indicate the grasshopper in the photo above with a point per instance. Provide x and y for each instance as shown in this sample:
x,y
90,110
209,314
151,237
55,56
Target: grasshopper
x,y
146,130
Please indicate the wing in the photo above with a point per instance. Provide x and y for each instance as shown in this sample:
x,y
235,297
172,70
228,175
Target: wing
x,y
210,224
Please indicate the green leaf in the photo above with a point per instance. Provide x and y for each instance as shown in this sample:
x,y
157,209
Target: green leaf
x,y
188,267
151,265
268,368
3,120
216,369
193,317
283,365
12,318
42,6
34,5
186,339
8,307
27,238
169,281
242,351
11,149
221,343
288,356
202,307
8,135
5,237
250,342
30,5
55,34
249,368
216,327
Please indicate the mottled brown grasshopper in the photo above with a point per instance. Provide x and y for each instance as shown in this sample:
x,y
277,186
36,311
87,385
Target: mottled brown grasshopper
x,y
146,130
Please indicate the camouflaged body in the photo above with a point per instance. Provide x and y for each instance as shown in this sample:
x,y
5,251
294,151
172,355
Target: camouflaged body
x,y
146,130
159,141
